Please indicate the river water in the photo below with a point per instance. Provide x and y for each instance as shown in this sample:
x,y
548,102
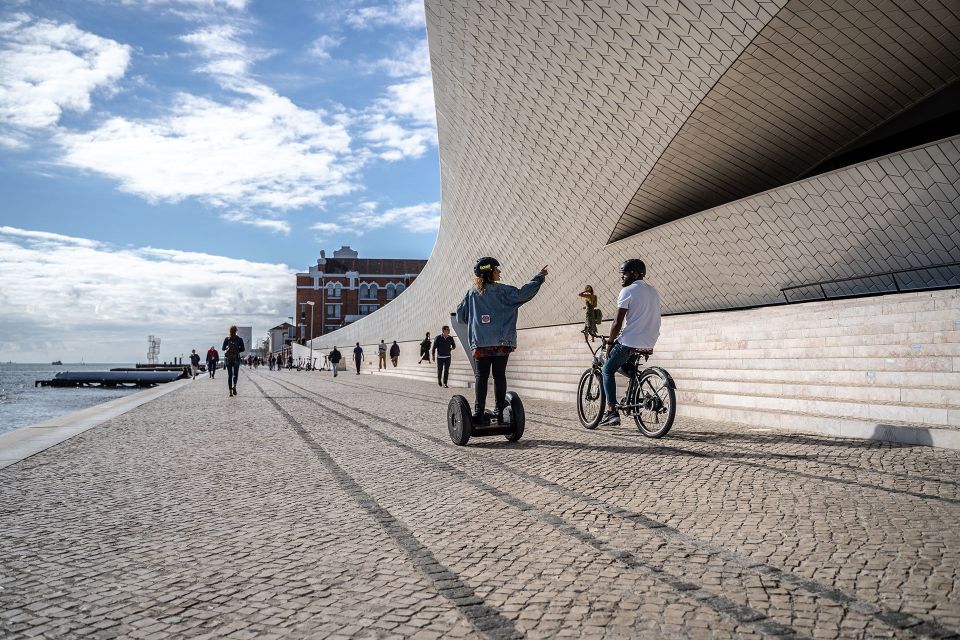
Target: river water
x,y
22,404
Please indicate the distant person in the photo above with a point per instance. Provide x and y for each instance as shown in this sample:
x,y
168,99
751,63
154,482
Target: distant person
x,y
394,353
232,348
335,358
443,348
194,363
272,360
212,359
357,356
489,309
425,349
382,355
590,318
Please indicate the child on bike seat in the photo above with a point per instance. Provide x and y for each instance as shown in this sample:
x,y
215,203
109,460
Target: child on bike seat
x,y
489,309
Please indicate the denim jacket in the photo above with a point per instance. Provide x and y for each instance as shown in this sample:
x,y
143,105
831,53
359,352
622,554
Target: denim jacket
x,y
491,318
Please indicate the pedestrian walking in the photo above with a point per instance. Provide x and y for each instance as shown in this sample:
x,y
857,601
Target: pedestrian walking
x,y
394,353
357,356
335,357
443,347
382,353
194,363
232,348
212,359
425,349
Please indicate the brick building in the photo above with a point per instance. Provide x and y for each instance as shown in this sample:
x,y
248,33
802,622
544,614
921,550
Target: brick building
x,y
345,288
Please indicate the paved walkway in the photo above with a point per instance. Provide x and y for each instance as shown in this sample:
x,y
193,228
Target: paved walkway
x,y
314,507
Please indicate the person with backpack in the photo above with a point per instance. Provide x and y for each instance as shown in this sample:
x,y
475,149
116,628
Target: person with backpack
x,y
593,315
489,309
443,347
232,348
358,356
212,359
394,353
194,363
334,358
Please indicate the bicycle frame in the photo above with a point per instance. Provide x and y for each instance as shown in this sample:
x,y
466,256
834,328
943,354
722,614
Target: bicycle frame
x,y
633,363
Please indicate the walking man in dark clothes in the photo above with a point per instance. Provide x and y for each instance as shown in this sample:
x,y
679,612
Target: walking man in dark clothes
x,y
334,358
443,347
358,356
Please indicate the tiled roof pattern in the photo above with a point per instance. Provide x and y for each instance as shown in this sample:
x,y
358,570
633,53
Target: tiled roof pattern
x,y
550,115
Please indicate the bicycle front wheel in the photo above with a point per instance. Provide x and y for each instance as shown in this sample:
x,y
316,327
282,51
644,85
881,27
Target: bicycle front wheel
x,y
658,404
590,399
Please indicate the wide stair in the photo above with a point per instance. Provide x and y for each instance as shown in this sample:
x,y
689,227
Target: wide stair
x,y
885,367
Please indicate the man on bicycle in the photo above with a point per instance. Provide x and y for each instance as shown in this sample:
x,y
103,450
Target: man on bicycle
x,y
636,328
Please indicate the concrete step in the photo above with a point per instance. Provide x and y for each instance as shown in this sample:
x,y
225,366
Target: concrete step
x,y
947,398
913,414
827,424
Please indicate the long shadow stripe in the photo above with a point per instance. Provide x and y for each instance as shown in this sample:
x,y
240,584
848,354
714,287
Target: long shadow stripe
x,y
720,604
904,621
486,619
687,452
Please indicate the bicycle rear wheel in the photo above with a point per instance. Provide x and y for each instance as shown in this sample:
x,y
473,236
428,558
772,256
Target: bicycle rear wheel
x,y
590,399
658,400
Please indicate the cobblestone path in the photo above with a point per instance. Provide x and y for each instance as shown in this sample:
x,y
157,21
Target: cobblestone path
x,y
317,507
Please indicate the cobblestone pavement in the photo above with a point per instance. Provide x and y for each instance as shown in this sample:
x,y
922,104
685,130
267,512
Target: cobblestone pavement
x,y
318,507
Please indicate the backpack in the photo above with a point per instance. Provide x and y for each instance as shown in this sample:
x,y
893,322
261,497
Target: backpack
x,y
232,352
597,315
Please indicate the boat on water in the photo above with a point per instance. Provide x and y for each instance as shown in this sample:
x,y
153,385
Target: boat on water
x,y
56,363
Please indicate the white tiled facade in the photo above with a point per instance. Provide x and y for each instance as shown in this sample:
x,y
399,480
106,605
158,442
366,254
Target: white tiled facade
x,y
578,134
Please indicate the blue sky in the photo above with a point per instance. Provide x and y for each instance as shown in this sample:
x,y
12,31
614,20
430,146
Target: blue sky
x,y
180,159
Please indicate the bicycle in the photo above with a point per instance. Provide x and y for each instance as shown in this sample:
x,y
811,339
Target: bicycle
x,y
650,399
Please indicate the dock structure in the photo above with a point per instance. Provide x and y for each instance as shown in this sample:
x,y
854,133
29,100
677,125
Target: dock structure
x,y
113,378
310,506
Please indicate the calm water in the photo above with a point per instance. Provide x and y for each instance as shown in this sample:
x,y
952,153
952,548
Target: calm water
x,y
21,404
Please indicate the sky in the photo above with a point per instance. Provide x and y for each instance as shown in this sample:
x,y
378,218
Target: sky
x,y
166,166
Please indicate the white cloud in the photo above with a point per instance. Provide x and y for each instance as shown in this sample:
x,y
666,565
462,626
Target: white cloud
x,y
272,224
48,67
408,59
83,294
418,218
413,99
264,151
408,14
395,142
321,47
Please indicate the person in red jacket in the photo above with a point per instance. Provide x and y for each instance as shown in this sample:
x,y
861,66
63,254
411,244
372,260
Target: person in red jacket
x,y
212,359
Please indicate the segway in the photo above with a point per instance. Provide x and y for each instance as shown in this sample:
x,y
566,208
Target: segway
x,y
460,417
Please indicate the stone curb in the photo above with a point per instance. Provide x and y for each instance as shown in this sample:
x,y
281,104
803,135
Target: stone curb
x,y
24,442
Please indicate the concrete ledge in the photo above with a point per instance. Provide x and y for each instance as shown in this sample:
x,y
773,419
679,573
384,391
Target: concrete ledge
x,y
24,442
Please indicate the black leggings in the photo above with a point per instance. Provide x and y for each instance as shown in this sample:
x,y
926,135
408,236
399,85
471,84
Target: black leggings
x,y
498,364
233,371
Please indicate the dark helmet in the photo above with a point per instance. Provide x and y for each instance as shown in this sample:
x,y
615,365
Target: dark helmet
x,y
484,265
635,265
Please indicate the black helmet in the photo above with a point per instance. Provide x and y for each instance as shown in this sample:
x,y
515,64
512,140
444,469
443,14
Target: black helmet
x,y
635,265
484,265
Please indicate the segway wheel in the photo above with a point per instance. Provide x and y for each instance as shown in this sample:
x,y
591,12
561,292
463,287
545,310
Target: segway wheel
x,y
459,422
515,415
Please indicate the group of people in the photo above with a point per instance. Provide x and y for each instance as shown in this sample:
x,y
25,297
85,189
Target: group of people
x,y
489,310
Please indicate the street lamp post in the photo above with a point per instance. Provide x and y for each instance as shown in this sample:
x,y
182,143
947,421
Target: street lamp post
x,y
311,303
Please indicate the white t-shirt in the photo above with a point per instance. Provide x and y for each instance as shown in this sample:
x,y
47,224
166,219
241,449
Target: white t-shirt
x,y
641,326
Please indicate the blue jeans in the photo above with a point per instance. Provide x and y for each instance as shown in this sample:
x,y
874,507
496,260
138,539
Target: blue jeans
x,y
233,371
619,355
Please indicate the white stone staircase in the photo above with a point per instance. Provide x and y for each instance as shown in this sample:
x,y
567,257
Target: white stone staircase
x,y
883,367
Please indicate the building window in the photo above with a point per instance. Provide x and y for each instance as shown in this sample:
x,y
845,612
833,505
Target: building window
x,y
367,308
400,288
333,289
364,291
391,291
333,311
374,291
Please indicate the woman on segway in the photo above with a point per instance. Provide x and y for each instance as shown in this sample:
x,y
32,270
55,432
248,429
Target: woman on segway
x,y
489,309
